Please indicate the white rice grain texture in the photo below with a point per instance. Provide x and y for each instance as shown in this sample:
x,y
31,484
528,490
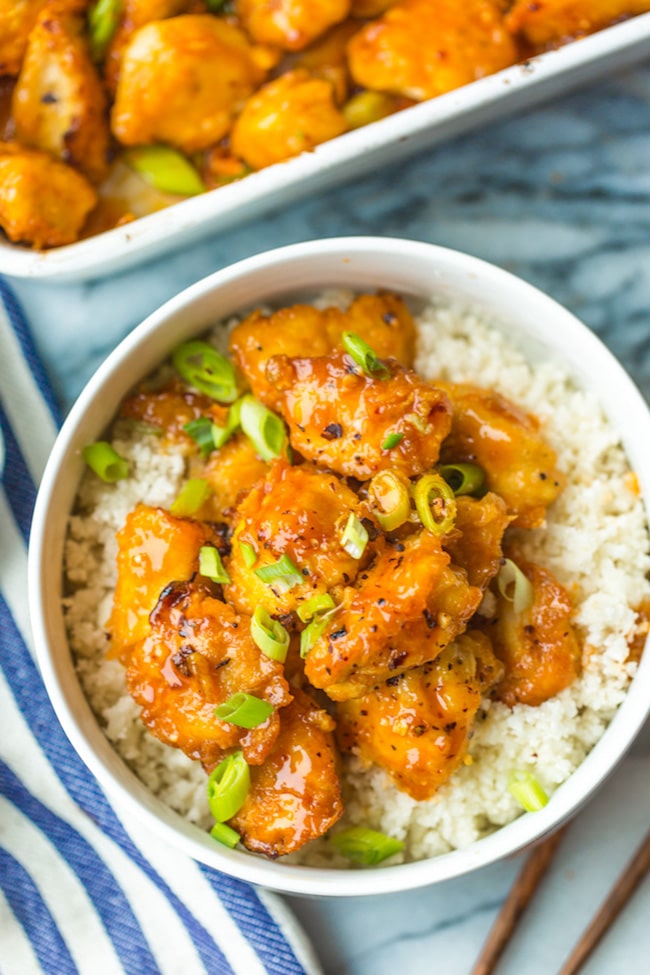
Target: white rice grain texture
x,y
595,542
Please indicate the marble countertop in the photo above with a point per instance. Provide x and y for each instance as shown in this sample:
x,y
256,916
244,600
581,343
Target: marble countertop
x,y
561,196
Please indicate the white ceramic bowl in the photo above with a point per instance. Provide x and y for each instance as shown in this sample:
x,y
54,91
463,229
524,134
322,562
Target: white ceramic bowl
x,y
541,327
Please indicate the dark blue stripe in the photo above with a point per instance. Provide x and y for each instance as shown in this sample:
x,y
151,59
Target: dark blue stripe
x,y
17,319
16,479
34,704
108,899
33,914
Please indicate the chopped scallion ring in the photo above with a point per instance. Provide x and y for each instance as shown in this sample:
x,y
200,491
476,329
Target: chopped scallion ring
x,y
202,367
221,435
193,496
355,537
200,430
364,356
392,440
244,710
228,786
320,603
225,834
435,503
264,429
211,566
525,788
391,503
514,586
103,21
283,575
312,633
105,461
365,846
269,635
248,554
463,478
165,169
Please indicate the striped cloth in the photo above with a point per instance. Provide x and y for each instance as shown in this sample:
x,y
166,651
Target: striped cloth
x,y
81,891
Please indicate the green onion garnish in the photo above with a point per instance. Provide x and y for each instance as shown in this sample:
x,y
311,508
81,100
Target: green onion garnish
x,y
364,356
221,435
435,503
514,586
214,6
355,537
392,440
211,566
228,786
312,633
463,478
244,710
320,603
105,461
527,791
264,429
103,20
283,574
225,834
365,846
200,430
165,169
391,504
193,496
248,554
202,367
269,635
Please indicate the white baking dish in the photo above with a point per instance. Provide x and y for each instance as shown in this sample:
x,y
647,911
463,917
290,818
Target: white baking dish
x,y
350,155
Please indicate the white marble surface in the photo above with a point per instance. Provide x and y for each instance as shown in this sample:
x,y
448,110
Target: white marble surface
x,y
561,196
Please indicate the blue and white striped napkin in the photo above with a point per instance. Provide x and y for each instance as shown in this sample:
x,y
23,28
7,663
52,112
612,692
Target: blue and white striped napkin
x,y
80,890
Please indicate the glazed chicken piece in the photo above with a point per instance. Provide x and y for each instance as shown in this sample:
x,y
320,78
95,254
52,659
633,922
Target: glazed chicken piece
x,y
339,417
370,8
231,472
539,646
422,49
401,613
135,14
43,202
17,17
328,58
489,430
299,512
170,408
287,116
383,321
198,652
475,545
58,102
182,82
549,23
295,796
290,24
418,724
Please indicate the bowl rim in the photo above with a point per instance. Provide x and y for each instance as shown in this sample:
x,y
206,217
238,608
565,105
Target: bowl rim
x,y
129,793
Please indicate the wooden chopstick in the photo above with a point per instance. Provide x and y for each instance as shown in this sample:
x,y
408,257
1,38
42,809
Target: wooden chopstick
x,y
636,870
521,893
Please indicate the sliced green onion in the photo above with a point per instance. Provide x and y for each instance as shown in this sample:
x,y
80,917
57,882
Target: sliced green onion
x,y
103,21
392,440
312,633
200,430
435,503
211,566
514,586
221,435
214,6
355,537
225,834
364,356
463,478
228,786
365,846
283,574
248,554
366,107
269,635
264,429
391,504
165,169
202,367
320,603
105,461
193,496
527,791
244,710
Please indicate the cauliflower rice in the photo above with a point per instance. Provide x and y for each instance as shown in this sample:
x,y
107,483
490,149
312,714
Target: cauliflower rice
x,y
595,542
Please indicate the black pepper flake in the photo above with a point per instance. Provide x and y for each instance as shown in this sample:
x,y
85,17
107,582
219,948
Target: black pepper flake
x,y
180,661
450,727
339,633
222,663
49,98
542,476
431,622
381,601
